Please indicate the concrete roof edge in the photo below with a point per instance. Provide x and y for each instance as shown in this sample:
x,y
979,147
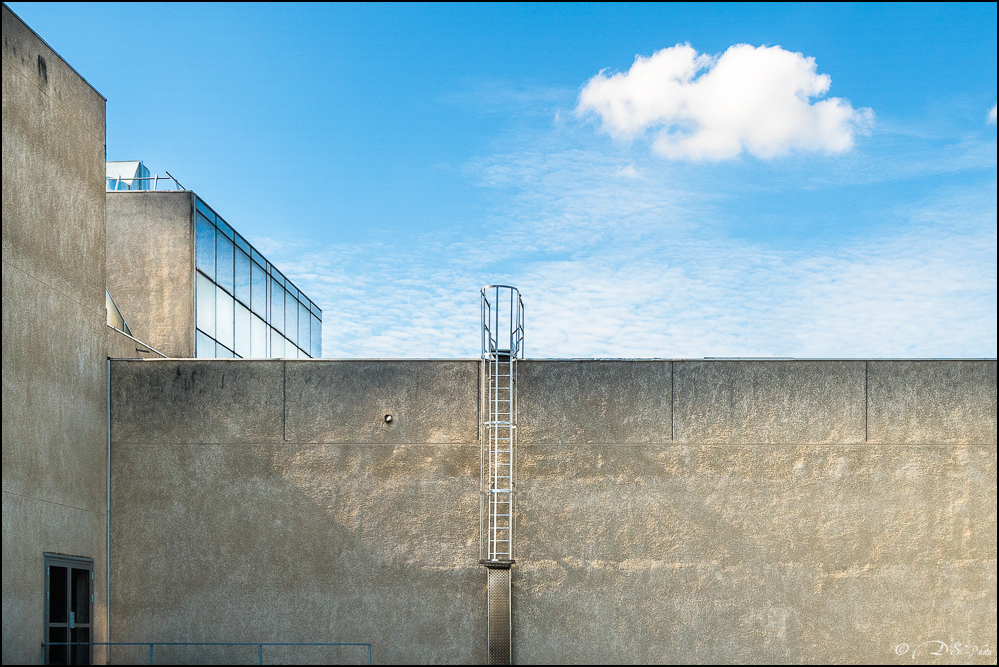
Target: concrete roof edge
x,y
577,359
49,46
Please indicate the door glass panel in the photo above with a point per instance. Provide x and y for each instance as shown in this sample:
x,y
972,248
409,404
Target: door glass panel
x,y
81,646
81,595
57,594
57,654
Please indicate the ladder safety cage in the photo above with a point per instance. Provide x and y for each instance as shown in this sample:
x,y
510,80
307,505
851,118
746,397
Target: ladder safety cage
x,y
502,318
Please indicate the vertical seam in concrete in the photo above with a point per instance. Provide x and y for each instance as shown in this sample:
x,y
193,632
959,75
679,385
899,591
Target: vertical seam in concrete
x,y
284,401
672,400
866,398
107,515
731,403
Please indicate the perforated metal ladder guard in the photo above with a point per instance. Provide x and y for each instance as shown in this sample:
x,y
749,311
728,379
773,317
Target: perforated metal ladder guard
x,y
499,640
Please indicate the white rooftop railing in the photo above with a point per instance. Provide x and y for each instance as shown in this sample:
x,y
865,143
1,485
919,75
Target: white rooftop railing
x,y
143,183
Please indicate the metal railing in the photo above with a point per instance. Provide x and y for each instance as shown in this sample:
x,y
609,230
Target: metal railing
x,y
142,183
152,645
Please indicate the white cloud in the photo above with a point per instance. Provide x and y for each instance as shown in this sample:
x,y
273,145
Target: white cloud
x,y
992,114
627,171
757,99
620,254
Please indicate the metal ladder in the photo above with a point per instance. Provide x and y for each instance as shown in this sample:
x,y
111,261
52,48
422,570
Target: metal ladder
x,y
502,319
501,436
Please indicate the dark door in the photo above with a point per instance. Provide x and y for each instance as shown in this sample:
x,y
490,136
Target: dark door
x,y
69,609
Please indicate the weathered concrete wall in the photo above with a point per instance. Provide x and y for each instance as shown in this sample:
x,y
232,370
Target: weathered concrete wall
x,y
270,501
715,511
122,346
150,266
54,390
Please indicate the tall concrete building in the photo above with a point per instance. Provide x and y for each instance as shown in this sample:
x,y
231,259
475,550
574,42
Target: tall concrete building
x,y
666,510
54,349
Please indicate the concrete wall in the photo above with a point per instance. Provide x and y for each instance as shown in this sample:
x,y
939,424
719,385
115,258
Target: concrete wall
x,y
269,501
54,391
715,511
150,266
122,346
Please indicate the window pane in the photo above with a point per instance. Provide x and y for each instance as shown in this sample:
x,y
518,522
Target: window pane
x,y
277,345
276,318
222,352
206,247
204,346
224,263
258,290
258,338
206,211
242,244
258,258
224,227
223,318
316,331
206,305
303,327
242,277
290,318
242,331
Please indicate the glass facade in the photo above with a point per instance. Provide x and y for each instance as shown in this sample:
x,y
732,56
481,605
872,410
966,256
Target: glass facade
x,y
245,308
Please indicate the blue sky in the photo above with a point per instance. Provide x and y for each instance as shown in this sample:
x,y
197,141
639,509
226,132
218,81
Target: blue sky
x,y
826,190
